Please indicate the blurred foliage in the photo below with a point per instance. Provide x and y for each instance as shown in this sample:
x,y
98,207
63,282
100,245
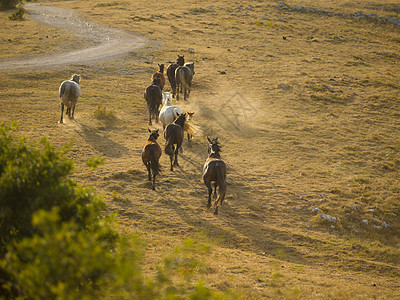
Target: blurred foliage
x,y
57,243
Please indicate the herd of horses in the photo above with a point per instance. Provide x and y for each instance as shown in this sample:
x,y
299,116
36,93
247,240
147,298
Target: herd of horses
x,y
175,124
180,76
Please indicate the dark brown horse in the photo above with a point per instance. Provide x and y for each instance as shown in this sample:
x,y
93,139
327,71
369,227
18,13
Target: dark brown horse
x,y
174,136
214,170
153,96
160,75
151,155
171,73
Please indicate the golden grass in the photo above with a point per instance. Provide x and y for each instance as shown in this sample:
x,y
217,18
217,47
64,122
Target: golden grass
x,y
329,141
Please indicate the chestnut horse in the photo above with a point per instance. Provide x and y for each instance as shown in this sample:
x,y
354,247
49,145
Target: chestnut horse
x,y
174,135
171,73
160,75
153,96
151,155
215,170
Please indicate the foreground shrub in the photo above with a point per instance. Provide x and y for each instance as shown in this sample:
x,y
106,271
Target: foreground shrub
x,y
56,243
9,4
17,15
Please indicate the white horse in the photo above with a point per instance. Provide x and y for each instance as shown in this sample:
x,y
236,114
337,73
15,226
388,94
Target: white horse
x,y
168,112
69,94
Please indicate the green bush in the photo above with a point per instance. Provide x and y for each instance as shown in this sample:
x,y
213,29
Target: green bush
x,y
34,177
17,15
55,242
9,4
34,183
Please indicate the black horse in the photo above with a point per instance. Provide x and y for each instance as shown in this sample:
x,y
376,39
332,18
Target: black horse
x,y
174,136
153,96
171,73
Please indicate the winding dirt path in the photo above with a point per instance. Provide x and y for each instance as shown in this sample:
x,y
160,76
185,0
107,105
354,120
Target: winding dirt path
x,y
103,42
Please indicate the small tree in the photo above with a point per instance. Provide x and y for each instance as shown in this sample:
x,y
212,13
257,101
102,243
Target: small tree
x,y
9,4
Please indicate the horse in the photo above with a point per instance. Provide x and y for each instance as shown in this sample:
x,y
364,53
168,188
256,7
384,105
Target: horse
x,y
153,96
174,135
190,65
151,155
214,170
168,112
69,94
160,75
171,73
183,78
188,128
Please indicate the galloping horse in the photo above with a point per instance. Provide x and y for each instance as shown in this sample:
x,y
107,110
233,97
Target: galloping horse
x,y
215,170
174,135
160,75
151,155
171,73
183,78
153,96
168,112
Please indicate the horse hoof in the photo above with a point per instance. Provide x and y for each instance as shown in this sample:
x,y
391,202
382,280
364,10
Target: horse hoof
x,y
216,212
153,188
208,205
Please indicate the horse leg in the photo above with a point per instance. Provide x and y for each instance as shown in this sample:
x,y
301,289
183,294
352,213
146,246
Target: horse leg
x,y
208,185
176,155
171,157
62,112
148,170
73,112
215,189
149,116
154,182
189,136
216,210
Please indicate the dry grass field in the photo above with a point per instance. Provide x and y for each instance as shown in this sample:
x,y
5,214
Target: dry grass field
x,y
305,105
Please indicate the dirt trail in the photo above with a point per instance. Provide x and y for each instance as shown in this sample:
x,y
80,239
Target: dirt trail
x,y
102,42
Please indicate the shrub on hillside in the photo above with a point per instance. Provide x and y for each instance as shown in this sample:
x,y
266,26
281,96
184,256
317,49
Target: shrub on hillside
x,y
55,243
9,4
18,14
51,229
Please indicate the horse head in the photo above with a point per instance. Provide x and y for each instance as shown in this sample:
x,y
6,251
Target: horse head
x,y
167,99
75,77
180,120
190,115
181,60
213,146
153,135
161,68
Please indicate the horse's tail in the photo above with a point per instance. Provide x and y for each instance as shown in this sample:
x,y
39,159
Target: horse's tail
x,y
176,112
221,182
168,146
154,164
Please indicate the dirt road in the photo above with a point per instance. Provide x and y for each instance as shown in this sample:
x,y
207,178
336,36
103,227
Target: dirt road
x,y
102,42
